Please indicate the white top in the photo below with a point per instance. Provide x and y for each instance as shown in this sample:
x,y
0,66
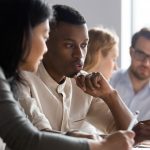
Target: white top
x,y
65,106
2,145
135,101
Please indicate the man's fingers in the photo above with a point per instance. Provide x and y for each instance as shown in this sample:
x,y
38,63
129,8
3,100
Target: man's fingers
x,y
80,81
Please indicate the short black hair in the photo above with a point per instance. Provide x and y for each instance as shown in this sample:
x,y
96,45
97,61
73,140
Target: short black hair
x,y
144,32
64,13
17,19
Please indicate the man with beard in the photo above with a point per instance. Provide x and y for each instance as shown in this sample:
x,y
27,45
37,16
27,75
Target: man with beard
x,y
133,84
66,98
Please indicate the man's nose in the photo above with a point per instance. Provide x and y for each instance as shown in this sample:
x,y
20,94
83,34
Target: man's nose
x,y
78,52
146,61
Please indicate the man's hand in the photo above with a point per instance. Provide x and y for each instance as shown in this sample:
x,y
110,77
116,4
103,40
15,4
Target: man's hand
x,y
94,84
142,131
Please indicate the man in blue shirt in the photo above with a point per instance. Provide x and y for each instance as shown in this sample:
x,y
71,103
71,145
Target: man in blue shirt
x,y
133,84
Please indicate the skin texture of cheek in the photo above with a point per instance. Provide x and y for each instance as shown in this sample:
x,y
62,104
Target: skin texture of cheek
x,y
107,68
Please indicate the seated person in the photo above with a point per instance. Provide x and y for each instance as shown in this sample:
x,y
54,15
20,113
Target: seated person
x,y
133,84
66,98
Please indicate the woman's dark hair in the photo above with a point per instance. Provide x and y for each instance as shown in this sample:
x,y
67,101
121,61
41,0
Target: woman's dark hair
x,y
17,18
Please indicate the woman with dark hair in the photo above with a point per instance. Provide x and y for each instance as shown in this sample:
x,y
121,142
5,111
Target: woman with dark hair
x,y
24,29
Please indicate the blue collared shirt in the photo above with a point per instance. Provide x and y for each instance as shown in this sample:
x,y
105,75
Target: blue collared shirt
x,y
135,101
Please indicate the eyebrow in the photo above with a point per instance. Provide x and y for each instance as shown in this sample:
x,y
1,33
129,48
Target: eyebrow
x,y
139,50
72,40
68,39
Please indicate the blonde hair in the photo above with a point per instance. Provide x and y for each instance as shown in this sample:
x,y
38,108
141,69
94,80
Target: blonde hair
x,y
100,39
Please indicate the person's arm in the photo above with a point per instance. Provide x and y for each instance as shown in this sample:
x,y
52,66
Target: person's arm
x,y
142,130
101,117
96,85
19,134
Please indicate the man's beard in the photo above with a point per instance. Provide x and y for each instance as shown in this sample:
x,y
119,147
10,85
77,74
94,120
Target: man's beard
x,y
72,75
139,76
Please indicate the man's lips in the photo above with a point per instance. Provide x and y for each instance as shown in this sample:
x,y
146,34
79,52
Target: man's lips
x,y
143,68
78,66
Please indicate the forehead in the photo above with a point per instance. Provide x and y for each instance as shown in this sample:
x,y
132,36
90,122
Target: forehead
x,y
42,28
143,44
71,31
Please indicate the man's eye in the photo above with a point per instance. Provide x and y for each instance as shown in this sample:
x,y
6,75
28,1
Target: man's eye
x,y
69,45
84,45
141,54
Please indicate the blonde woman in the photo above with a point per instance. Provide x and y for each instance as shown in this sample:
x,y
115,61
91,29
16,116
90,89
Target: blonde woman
x,y
102,51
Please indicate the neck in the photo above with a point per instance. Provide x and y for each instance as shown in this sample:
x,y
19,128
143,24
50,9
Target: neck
x,y
53,73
